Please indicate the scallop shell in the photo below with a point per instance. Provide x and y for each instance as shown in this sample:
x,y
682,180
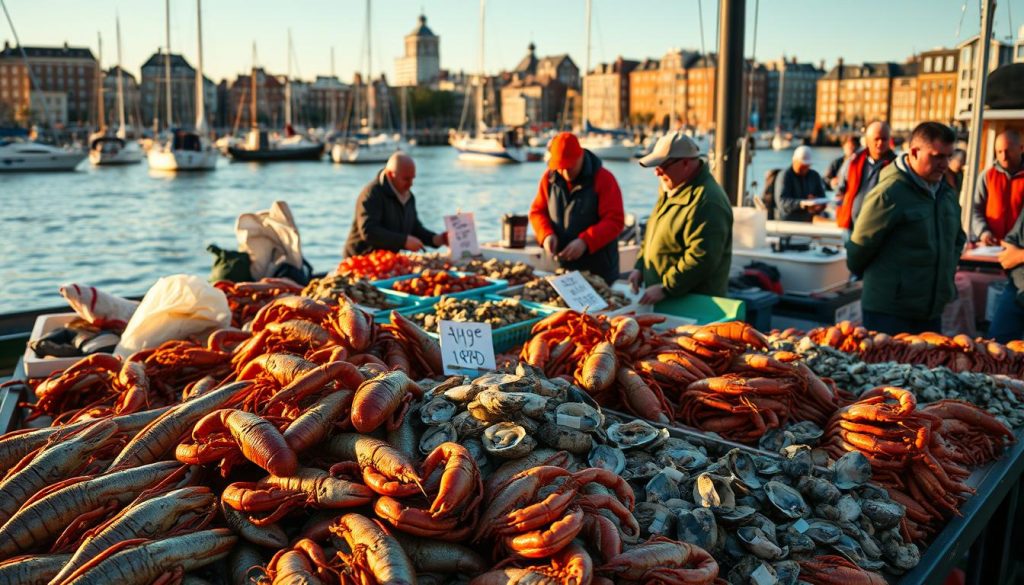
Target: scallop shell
x,y
508,440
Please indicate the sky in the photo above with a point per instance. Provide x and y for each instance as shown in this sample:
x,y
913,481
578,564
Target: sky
x,y
812,30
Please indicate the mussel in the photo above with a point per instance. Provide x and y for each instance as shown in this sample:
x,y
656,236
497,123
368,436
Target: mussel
x,y
852,469
786,499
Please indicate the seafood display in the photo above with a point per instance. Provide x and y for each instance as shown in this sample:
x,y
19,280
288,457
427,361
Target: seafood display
x,y
539,290
434,283
515,273
361,292
377,265
246,298
496,313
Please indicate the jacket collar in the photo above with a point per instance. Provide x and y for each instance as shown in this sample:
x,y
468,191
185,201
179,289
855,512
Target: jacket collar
x,y
903,167
684,194
382,179
1009,175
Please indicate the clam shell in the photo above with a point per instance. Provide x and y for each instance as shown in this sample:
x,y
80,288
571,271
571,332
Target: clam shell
x,y
757,542
697,526
436,411
559,437
467,426
852,470
436,435
505,405
713,491
663,486
633,434
786,499
607,457
462,394
508,441
655,518
743,468
579,416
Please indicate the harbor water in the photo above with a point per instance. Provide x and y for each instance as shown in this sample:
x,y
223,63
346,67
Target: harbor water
x,y
122,228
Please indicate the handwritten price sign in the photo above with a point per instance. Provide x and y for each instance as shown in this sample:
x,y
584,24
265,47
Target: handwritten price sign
x,y
577,292
461,235
466,348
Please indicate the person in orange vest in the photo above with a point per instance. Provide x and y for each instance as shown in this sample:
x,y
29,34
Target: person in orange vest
x,y
862,172
999,194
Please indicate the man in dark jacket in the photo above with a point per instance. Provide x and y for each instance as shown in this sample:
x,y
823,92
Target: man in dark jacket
x,y
907,240
798,184
577,214
386,217
688,241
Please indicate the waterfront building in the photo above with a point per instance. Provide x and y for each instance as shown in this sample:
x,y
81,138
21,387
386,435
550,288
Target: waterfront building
x,y
903,116
532,100
153,92
659,89
852,96
936,85
999,54
799,90
269,100
132,103
328,97
421,64
66,78
606,93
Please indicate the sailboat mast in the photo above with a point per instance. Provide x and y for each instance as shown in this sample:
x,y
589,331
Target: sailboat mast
x,y
782,93
200,94
480,78
167,60
121,131
288,85
101,112
252,90
371,101
334,96
586,68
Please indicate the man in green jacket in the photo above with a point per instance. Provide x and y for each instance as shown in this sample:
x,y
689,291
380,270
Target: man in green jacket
x,y
688,241
907,240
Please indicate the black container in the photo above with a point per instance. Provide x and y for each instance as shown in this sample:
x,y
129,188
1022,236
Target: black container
x,y
513,230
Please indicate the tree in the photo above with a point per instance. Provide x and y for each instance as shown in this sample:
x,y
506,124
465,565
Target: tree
x,y
433,108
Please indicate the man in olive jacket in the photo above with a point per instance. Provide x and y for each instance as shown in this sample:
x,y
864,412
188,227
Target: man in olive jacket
x,y
385,217
907,239
688,241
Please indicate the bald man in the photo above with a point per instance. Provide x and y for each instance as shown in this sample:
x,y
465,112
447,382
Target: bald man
x,y
862,171
385,217
999,194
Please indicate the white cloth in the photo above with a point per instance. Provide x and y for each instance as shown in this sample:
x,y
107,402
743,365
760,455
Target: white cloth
x,y
270,238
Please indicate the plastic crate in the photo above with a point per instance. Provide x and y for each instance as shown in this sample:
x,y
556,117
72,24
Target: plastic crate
x,y
385,285
503,337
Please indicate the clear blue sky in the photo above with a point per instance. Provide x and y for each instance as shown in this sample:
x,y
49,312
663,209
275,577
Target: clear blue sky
x,y
865,30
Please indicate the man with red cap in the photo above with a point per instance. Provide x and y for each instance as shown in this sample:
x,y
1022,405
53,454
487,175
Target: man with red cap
x,y
577,214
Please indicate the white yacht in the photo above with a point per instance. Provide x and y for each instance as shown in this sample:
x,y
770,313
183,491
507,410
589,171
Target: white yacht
x,y
609,146
365,148
115,150
183,150
16,155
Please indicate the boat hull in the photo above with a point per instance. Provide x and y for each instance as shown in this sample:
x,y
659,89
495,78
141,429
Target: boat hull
x,y
363,154
125,156
50,162
314,152
183,160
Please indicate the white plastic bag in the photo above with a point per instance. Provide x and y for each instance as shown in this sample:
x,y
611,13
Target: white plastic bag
x,y
271,239
176,307
97,307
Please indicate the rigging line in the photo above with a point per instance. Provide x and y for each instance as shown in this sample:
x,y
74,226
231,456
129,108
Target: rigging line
x,y
700,19
1009,20
963,13
753,64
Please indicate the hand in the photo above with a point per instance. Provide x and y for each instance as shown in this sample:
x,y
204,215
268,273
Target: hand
x,y
988,239
574,250
551,245
635,278
816,209
1011,256
412,243
441,239
653,294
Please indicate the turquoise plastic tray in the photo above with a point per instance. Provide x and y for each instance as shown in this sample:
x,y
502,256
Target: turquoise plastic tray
x,y
495,286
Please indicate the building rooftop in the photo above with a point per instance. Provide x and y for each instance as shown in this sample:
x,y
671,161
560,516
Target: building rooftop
x,y
65,52
112,72
157,60
422,30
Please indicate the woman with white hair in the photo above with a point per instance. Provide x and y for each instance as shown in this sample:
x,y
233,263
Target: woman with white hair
x,y
796,186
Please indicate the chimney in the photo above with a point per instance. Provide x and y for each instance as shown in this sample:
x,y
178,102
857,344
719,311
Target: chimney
x,y
821,65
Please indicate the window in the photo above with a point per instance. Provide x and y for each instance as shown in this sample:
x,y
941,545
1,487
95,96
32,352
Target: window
x,y
949,62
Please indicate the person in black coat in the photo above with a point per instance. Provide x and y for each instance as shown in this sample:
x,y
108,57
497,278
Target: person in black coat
x,y
385,217
797,184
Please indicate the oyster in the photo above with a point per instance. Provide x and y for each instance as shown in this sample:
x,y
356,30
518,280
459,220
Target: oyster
x,y
735,515
664,486
805,432
743,468
607,457
798,461
640,465
818,490
436,389
467,426
504,405
476,449
436,411
882,513
507,382
462,394
434,436
787,572
823,532
755,540
852,469
579,416
850,508
713,491
798,543
508,440
655,518
633,434
697,526
786,499
559,437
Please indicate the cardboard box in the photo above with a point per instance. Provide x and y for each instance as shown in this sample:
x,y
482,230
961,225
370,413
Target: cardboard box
x,y
37,367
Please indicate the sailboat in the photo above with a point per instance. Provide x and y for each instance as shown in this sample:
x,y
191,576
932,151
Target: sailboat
x,y
488,146
258,147
115,150
606,144
184,150
779,140
366,146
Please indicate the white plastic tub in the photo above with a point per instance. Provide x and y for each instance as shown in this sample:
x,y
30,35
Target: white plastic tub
x,y
37,367
802,273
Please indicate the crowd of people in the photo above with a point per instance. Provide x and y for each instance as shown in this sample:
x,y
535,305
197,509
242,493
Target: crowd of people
x,y
901,214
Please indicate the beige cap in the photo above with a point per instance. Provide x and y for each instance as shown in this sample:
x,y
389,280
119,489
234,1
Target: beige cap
x,y
802,154
671,145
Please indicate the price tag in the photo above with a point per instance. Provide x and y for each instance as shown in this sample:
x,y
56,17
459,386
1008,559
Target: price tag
x,y
850,312
764,575
461,235
577,292
800,526
466,348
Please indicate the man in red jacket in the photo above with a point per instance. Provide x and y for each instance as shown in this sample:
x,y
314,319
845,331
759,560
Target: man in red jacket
x,y
860,175
999,194
577,215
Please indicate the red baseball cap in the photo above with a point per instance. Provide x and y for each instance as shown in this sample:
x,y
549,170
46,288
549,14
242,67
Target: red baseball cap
x,y
565,151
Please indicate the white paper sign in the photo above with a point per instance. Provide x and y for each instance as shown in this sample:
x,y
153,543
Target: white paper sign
x,y
850,312
577,292
466,348
461,235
